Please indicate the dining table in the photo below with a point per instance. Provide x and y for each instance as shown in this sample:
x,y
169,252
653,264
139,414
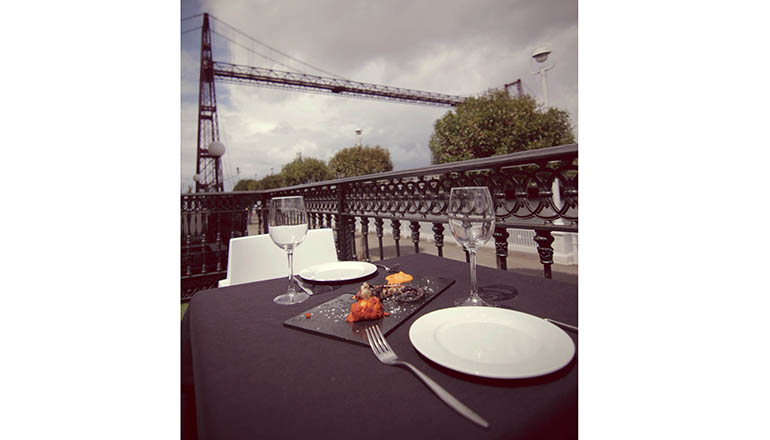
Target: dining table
x,y
245,374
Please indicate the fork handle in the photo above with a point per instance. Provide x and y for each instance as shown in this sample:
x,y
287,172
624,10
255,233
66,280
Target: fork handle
x,y
446,397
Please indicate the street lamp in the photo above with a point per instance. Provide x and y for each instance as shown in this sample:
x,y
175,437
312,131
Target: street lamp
x,y
216,149
540,55
214,152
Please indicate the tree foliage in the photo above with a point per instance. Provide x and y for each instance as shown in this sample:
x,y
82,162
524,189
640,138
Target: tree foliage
x,y
496,123
305,170
348,162
359,161
297,172
268,182
246,185
271,181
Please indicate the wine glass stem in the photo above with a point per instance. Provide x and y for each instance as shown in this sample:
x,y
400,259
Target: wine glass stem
x,y
474,283
291,270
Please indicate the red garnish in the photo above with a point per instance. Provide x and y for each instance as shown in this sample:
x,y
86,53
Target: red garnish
x,y
307,315
387,313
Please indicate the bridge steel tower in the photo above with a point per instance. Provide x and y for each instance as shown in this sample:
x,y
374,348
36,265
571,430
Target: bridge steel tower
x,y
209,166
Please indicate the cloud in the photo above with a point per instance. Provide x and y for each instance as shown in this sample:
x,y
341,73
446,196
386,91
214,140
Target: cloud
x,y
460,48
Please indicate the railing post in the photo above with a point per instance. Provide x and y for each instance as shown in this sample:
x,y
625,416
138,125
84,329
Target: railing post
x,y
219,241
246,223
204,232
438,238
258,217
341,223
544,240
186,254
396,224
379,224
265,213
415,227
501,247
365,236
351,228
235,223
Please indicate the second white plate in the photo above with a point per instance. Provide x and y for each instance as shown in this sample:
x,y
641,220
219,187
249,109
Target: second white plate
x,y
492,342
340,271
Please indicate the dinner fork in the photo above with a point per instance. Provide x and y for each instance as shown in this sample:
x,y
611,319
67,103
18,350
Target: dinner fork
x,y
387,356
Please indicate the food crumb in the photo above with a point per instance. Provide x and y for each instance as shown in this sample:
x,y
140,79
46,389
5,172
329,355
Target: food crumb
x,y
307,315
387,313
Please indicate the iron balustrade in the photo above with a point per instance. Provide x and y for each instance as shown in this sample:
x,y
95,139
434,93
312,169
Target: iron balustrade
x,y
522,185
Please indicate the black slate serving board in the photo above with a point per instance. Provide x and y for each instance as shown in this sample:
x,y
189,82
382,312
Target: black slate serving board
x,y
328,319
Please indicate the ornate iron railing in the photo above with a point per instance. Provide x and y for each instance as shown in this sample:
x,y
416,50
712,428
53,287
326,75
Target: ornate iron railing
x,y
522,185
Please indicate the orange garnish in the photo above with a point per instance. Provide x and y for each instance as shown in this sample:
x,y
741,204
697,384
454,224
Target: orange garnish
x,y
399,278
307,315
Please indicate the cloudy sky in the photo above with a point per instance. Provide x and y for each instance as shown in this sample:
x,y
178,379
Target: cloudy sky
x,y
455,47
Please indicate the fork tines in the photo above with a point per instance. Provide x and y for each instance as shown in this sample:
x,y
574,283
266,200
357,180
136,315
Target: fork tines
x,y
372,344
377,341
381,337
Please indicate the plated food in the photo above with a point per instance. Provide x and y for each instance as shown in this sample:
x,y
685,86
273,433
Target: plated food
x,y
366,310
330,318
400,292
369,298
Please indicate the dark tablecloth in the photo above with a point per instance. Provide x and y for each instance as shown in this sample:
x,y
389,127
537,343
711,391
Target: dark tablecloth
x,y
245,375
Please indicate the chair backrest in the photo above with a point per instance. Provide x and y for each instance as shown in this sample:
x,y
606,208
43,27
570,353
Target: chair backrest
x,y
317,248
256,257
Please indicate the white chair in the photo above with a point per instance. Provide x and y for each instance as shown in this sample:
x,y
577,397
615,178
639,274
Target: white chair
x,y
256,257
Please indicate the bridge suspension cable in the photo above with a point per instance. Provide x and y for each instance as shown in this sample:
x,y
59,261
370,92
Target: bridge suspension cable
x,y
192,16
251,50
190,30
274,49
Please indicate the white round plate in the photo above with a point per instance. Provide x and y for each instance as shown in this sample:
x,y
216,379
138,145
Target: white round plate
x,y
492,342
340,271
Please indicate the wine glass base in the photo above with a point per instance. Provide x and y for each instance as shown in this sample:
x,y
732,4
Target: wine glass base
x,y
291,298
473,301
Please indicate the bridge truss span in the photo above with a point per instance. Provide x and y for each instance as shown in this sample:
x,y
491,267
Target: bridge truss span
x,y
260,76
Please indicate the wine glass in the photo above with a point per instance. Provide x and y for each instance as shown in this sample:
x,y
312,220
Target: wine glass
x,y
288,228
471,220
